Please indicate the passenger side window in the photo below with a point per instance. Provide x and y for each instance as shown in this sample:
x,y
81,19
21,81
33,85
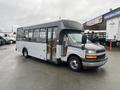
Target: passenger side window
x,y
26,35
30,34
20,34
36,35
43,35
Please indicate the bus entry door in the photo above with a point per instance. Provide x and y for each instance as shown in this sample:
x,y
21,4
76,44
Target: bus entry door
x,y
51,45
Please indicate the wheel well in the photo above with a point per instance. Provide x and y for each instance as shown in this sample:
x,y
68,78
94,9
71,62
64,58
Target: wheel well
x,y
74,56
24,49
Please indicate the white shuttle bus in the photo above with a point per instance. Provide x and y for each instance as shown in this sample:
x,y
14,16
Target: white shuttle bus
x,y
60,41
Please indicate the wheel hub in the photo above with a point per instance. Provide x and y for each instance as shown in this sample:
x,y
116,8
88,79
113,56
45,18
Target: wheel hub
x,y
74,64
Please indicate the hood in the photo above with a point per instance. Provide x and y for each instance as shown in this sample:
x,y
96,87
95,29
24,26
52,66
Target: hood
x,y
90,46
95,47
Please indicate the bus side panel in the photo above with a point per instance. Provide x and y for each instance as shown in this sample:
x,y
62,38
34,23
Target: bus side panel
x,y
77,51
37,50
19,46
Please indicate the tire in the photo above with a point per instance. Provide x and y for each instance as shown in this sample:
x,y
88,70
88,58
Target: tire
x,y
75,63
25,53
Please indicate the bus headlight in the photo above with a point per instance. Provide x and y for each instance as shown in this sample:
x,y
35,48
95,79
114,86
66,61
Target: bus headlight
x,y
90,52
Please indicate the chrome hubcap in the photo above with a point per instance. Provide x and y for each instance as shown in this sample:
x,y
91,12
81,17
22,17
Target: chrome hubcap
x,y
74,64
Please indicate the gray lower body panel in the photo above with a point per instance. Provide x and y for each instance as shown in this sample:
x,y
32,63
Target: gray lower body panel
x,y
94,63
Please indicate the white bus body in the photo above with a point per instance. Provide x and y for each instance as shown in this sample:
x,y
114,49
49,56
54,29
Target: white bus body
x,y
57,42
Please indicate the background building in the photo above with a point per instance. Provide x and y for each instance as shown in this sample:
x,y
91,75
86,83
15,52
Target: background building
x,y
109,22
100,22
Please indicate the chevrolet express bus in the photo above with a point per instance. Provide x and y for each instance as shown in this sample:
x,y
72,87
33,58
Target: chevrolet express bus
x,y
60,41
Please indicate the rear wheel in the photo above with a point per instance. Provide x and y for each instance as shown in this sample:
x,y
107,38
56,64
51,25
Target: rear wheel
x,y
25,53
75,63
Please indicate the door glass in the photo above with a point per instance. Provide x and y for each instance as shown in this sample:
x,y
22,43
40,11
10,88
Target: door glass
x,y
49,49
51,53
54,42
65,45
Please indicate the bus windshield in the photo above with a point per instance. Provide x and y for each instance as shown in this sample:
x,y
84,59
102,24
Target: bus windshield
x,y
75,37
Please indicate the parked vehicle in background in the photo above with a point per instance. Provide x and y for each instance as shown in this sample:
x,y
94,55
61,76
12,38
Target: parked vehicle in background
x,y
6,40
101,35
60,41
10,39
113,31
2,41
9,36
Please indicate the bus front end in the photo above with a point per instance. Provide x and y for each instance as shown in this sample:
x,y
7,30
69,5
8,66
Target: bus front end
x,y
94,56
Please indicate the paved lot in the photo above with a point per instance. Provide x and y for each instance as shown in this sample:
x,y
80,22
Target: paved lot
x,y
18,73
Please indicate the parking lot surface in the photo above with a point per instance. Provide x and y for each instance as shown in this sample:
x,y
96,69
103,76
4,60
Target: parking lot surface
x,y
19,73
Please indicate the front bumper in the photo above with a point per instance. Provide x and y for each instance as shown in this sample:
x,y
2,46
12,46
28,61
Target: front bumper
x,y
94,63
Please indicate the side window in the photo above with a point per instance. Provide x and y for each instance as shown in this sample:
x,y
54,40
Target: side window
x,y
36,35
54,32
30,33
43,35
20,34
49,33
26,35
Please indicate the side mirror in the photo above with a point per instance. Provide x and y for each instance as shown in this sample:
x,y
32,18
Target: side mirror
x,y
84,39
83,47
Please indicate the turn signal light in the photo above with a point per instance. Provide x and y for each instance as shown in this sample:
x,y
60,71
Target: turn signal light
x,y
90,57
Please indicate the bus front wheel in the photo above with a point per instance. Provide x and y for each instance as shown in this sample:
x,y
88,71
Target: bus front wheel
x,y
75,63
25,53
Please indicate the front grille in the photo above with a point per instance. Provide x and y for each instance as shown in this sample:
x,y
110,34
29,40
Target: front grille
x,y
100,51
101,56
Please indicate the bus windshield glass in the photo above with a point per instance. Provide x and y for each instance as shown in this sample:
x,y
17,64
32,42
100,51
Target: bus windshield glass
x,y
75,37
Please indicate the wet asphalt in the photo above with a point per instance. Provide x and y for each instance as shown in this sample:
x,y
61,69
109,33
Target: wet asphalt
x,y
19,73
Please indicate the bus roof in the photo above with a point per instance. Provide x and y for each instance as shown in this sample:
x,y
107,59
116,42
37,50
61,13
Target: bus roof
x,y
62,24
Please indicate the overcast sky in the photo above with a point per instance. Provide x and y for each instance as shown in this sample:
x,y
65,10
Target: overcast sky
x,y
28,12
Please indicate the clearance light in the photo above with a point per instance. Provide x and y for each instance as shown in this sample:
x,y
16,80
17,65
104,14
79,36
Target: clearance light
x,y
90,57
